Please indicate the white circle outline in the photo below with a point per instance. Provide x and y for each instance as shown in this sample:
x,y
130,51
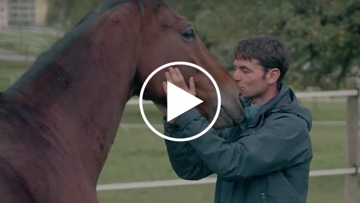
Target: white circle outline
x,y
174,64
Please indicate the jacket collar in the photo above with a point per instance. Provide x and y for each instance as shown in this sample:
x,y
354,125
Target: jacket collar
x,y
284,97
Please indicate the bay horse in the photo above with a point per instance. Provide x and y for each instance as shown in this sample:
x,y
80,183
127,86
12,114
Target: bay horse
x,y
59,120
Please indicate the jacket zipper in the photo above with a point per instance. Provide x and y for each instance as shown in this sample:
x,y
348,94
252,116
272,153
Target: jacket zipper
x,y
263,197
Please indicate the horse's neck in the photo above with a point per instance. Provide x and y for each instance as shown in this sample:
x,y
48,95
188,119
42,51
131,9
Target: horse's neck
x,y
81,97
91,111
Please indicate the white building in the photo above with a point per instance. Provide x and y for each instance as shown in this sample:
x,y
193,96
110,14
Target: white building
x,y
27,12
3,13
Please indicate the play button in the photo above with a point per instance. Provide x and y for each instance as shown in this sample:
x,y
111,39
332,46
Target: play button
x,y
179,101
175,101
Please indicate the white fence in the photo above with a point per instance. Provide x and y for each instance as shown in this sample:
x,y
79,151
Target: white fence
x,y
350,172
11,78
179,182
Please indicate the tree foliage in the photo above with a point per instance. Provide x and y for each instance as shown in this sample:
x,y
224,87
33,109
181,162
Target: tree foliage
x,y
323,35
66,13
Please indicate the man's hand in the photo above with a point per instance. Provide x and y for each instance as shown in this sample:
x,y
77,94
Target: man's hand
x,y
175,77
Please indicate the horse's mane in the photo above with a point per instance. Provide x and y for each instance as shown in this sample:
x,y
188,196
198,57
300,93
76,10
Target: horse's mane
x,y
46,58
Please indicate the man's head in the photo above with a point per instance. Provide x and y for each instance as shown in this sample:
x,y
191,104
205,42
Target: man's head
x,y
261,62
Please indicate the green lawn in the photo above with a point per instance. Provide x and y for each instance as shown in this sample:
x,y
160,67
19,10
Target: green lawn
x,y
140,155
26,43
11,68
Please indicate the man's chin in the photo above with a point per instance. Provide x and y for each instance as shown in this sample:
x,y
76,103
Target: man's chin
x,y
245,96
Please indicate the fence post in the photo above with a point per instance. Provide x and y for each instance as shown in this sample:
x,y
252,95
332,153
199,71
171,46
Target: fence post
x,y
352,106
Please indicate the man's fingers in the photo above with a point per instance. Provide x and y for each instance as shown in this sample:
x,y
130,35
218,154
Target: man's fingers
x,y
173,76
182,83
192,86
164,84
168,77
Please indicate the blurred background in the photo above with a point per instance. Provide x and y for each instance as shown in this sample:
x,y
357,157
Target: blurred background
x,y
324,38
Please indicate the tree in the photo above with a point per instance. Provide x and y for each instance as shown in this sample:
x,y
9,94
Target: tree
x,y
323,35
66,13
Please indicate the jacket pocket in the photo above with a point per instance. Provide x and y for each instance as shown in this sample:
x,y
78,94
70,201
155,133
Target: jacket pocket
x,y
265,198
280,190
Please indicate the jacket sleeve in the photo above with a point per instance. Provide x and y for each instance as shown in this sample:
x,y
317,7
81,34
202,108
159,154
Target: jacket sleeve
x,y
283,141
183,158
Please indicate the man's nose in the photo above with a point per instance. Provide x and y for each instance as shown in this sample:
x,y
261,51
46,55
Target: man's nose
x,y
236,77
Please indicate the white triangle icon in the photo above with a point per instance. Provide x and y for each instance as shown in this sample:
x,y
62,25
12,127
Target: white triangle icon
x,y
179,101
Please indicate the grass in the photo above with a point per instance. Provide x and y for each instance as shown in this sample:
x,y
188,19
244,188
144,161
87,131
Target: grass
x,y
140,155
26,43
327,111
11,68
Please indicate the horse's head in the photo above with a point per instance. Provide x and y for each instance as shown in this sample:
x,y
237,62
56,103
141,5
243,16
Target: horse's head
x,y
168,37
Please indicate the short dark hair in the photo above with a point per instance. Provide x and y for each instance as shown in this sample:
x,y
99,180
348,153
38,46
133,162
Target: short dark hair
x,y
269,51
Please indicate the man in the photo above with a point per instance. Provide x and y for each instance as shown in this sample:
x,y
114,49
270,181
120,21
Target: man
x,y
266,158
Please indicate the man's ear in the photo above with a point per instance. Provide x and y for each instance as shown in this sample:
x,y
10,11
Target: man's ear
x,y
273,75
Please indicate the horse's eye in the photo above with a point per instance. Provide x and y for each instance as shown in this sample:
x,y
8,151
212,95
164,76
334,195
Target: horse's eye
x,y
189,34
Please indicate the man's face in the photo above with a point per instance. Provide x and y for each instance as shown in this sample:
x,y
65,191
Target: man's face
x,y
251,78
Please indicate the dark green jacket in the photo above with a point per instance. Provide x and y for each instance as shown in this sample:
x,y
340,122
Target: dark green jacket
x,y
266,162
